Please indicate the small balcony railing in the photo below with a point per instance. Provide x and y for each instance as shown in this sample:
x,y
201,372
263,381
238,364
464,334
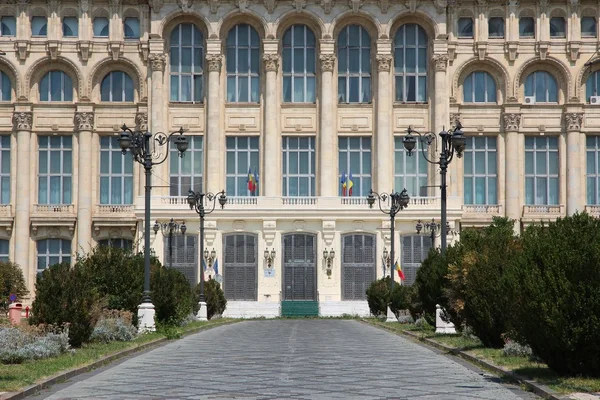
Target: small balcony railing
x,y
53,208
483,209
544,210
115,208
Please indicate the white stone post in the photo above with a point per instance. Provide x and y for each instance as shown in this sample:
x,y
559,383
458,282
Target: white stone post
x,y
84,121
212,141
327,168
511,131
272,153
383,136
157,65
573,123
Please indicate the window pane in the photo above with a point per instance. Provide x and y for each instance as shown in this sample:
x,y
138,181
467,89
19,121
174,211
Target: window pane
x,y
588,27
70,27
38,26
132,28
100,27
8,26
526,27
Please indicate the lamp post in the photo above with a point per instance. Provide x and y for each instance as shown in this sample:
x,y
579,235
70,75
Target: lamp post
x,y
138,143
452,142
169,229
397,202
196,202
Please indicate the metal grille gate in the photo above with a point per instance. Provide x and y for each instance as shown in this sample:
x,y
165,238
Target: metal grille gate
x,y
299,267
414,251
240,266
358,265
185,256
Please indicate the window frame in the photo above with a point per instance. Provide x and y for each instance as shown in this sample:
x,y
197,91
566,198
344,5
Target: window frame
x,y
363,180
196,73
460,29
286,175
109,147
488,78
535,175
400,71
495,35
241,178
107,27
4,92
66,197
490,178
419,162
136,35
548,77
4,250
252,77
594,33
305,75
195,149
344,91
44,26
64,78
65,24
13,25
533,33
125,78
121,243
65,246
5,169
593,176
592,85
564,27
411,261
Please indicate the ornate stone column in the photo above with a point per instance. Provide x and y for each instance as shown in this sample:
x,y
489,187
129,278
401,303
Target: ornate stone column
x,y
272,153
157,65
511,132
440,113
22,125
84,121
327,167
573,124
383,136
212,142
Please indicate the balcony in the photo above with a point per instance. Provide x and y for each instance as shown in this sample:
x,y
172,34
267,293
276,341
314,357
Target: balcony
x,y
480,214
5,210
111,209
593,210
532,213
54,209
114,215
53,215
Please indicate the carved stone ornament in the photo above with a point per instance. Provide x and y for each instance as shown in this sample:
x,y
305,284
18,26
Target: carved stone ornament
x,y
271,62
440,6
355,5
327,5
141,121
22,4
84,5
299,5
157,61
513,6
384,5
543,6
84,121
23,121
156,5
327,62
185,5
512,122
270,6
411,5
242,5
214,6
384,62
454,119
54,4
574,6
441,61
573,121
52,232
214,62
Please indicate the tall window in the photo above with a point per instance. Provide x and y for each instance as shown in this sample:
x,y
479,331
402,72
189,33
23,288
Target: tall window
x,y
410,173
541,170
557,27
52,251
542,86
354,65
56,86
187,59
131,28
39,26
526,28
5,87
243,65
116,173
354,166
414,251
55,169
116,86
496,27
481,174
465,27
8,26
593,170
592,85
588,27
118,243
242,164
70,27
410,63
359,265
4,249
479,87
186,172
101,27
298,166
5,169
299,65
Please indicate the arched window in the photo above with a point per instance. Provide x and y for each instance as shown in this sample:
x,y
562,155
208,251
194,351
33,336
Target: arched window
x,y
39,26
410,63
479,87
299,65
101,27
116,86
592,86
354,65
131,28
56,86
5,87
187,60
542,86
243,55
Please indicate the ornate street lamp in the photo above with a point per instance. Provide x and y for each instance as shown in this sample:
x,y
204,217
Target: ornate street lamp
x,y
170,229
453,141
397,202
139,145
196,203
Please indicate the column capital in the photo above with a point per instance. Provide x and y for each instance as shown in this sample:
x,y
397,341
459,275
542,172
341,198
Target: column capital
x,y
141,121
511,122
441,61
271,62
84,121
384,62
157,61
327,61
573,121
214,62
454,119
23,121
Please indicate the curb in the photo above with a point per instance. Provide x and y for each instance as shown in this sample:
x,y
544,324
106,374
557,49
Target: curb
x,y
62,376
537,388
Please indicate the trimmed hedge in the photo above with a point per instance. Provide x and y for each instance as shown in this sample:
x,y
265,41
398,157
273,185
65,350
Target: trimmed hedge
x,y
378,297
11,282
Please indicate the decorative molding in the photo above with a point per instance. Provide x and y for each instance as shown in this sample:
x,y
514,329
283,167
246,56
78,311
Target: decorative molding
x,y
543,5
384,62
84,5
242,5
270,6
411,5
513,7
156,5
454,119
115,233
574,6
214,62
53,48
214,6
271,62
328,232
141,121
441,61
53,5
355,5
440,6
52,232
157,61
327,62
115,49
84,47
210,232
511,122
22,4
574,50
84,121
22,48
23,121
384,6
327,5
299,5
512,49
299,225
239,225
269,232
185,5
482,6
481,50
573,121
542,49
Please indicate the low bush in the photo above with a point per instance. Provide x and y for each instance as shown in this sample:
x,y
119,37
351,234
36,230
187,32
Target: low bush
x,y
401,296
514,349
17,346
422,323
114,326
11,282
172,295
378,296
216,303
430,283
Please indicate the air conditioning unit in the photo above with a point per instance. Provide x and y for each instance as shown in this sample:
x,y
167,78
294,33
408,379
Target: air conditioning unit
x,y
529,99
595,100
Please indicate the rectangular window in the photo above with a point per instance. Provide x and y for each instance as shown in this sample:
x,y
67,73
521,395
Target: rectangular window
x,y
588,27
186,172
354,167
298,166
465,28
131,28
4,244
410,172
526,28
5,169
8,26
592,174
242,172
55,174
414,250
39,26
496,28
557,27
52,251
70,27
541,170
124,244
116,173
480,171
100,27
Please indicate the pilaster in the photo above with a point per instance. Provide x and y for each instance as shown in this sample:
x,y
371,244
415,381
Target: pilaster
x,y
573,121
512,121
212,138
383,137
327,159
157,113
84,123
272,144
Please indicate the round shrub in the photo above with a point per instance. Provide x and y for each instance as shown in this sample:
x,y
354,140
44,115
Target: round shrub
x,y
171,294
430,282
555,302
401,297
214,297
378,296
11,282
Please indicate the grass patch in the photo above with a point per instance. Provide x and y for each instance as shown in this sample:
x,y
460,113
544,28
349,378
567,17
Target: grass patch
x,y
14,377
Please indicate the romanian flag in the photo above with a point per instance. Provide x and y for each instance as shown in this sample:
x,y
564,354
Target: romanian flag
x,y
251,181
344,183
399,269
255,181
350,184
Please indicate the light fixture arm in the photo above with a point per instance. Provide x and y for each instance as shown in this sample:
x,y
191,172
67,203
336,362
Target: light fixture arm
x,y
138,143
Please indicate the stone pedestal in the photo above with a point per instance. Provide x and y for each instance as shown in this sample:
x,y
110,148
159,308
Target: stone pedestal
x,y
146,315
391,317
202,312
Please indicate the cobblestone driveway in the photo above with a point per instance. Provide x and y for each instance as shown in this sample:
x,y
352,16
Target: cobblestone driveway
x,y
282,359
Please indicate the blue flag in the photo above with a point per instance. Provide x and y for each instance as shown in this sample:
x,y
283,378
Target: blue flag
x,y
216,266
203,264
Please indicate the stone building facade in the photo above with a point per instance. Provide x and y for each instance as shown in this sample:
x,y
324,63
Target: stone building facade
x,y
301,95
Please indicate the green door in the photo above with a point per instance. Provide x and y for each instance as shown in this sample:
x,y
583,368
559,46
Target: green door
x,y
299,276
